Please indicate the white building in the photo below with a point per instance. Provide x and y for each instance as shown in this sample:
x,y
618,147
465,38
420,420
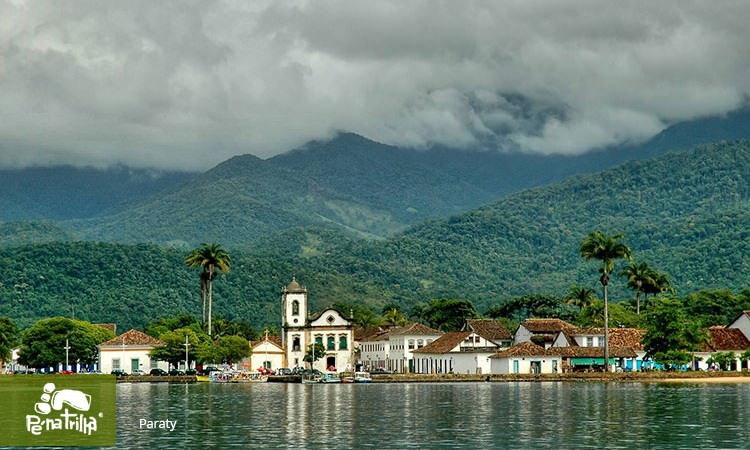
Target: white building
x,y
402,343
586,348
329,328
466,351
129,351
541,331
267,353
723,340
525,358
374,351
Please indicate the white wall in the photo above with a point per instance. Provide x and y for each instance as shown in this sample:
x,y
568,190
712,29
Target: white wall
x,y
107,356
505,365
743,323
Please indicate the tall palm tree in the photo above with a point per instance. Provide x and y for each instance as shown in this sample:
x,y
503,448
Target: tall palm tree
x,y
606,249
210,258
658,283
639,274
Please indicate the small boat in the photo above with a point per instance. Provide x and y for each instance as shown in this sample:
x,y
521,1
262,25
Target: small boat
x,y
237,377
331,378
362,377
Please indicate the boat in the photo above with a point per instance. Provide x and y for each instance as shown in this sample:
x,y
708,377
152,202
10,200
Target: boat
x,y
362,377
237,377
330,378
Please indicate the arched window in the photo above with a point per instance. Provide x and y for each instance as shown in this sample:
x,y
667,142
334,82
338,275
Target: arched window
x,y
331,343
342,342
295,308
295,344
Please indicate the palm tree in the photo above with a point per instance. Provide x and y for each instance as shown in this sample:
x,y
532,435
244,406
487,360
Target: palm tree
x,y
210,257
658,283
580,296
606,249
639,274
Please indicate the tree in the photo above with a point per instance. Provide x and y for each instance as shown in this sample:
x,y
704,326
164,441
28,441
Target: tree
x,y
314,352
638,275
43,344
606,249
395,317
157,327
669,333
535,305
210,257
173,350
446,314
619,315
8,339
580,296
226,349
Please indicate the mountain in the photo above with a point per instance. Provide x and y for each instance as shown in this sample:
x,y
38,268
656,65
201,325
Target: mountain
x,y
685,213
65,192
360,187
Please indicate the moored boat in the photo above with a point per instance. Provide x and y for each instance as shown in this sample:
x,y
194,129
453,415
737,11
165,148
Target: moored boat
x,y
362,377
331,378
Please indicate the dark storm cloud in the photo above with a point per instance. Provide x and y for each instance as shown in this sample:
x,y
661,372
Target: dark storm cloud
x,y
188,84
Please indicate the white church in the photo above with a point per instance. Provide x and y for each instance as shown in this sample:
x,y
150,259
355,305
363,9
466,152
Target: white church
x,y
329,328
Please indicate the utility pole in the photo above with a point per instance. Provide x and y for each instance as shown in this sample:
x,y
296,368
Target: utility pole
x,y
67,347
186,344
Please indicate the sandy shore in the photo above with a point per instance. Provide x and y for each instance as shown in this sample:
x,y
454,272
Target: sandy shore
x,y
703,380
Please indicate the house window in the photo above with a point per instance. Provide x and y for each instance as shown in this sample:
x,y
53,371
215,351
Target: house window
x,y
116,364
411,344
295,344
267,364
295,308
331,343
589,341
476,339
154,364
342,343
420,343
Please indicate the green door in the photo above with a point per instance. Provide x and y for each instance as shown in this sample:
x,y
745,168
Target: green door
x,y
515,366
135,364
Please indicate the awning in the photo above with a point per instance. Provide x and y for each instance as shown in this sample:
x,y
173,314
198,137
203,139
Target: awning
x,y
590,361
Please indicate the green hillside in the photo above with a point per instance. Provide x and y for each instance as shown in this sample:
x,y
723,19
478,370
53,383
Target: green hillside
x,y
687,214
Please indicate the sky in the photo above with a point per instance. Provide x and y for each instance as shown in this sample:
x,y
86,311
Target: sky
x,y
186,85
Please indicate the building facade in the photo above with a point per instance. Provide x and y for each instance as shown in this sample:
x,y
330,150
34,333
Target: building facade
x,y
300,330
130,351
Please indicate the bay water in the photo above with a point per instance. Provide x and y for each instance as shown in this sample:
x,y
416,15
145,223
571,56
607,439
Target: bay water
x,y
499,415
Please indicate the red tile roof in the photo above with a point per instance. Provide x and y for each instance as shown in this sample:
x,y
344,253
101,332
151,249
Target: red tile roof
x,y
415,329
133,337
275,340
627,337
724,339
490,329
522,349
591,352
444,343
546,325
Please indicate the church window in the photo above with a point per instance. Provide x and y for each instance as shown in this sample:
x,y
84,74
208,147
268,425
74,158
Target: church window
x,y
342,342
295,308
295,344
331,343
330,319
319,340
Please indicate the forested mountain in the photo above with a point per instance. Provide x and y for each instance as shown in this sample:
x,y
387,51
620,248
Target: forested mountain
x,y
360,187
64,192
687,214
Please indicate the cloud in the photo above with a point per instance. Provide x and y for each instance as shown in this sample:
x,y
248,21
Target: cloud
x,y
188,84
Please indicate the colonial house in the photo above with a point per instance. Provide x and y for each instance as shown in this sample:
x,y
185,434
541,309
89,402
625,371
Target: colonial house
x,y
374,350
402,343
541,331
265,353
130,351
722,340
466,351
742,323
625,348
299,330
524,358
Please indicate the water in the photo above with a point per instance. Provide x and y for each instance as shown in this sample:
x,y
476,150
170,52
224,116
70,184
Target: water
x,y
445,415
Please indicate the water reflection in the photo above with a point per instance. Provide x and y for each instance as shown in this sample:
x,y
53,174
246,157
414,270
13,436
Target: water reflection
x,y
458,415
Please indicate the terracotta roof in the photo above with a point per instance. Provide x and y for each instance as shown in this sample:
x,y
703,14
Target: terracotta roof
x,y
595,331
591,352
627,337
522,349
546,325
444,343
416,329
490,329
133,337
724,339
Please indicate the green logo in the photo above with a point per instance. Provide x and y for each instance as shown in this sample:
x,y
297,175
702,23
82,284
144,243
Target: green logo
x,y
58,410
